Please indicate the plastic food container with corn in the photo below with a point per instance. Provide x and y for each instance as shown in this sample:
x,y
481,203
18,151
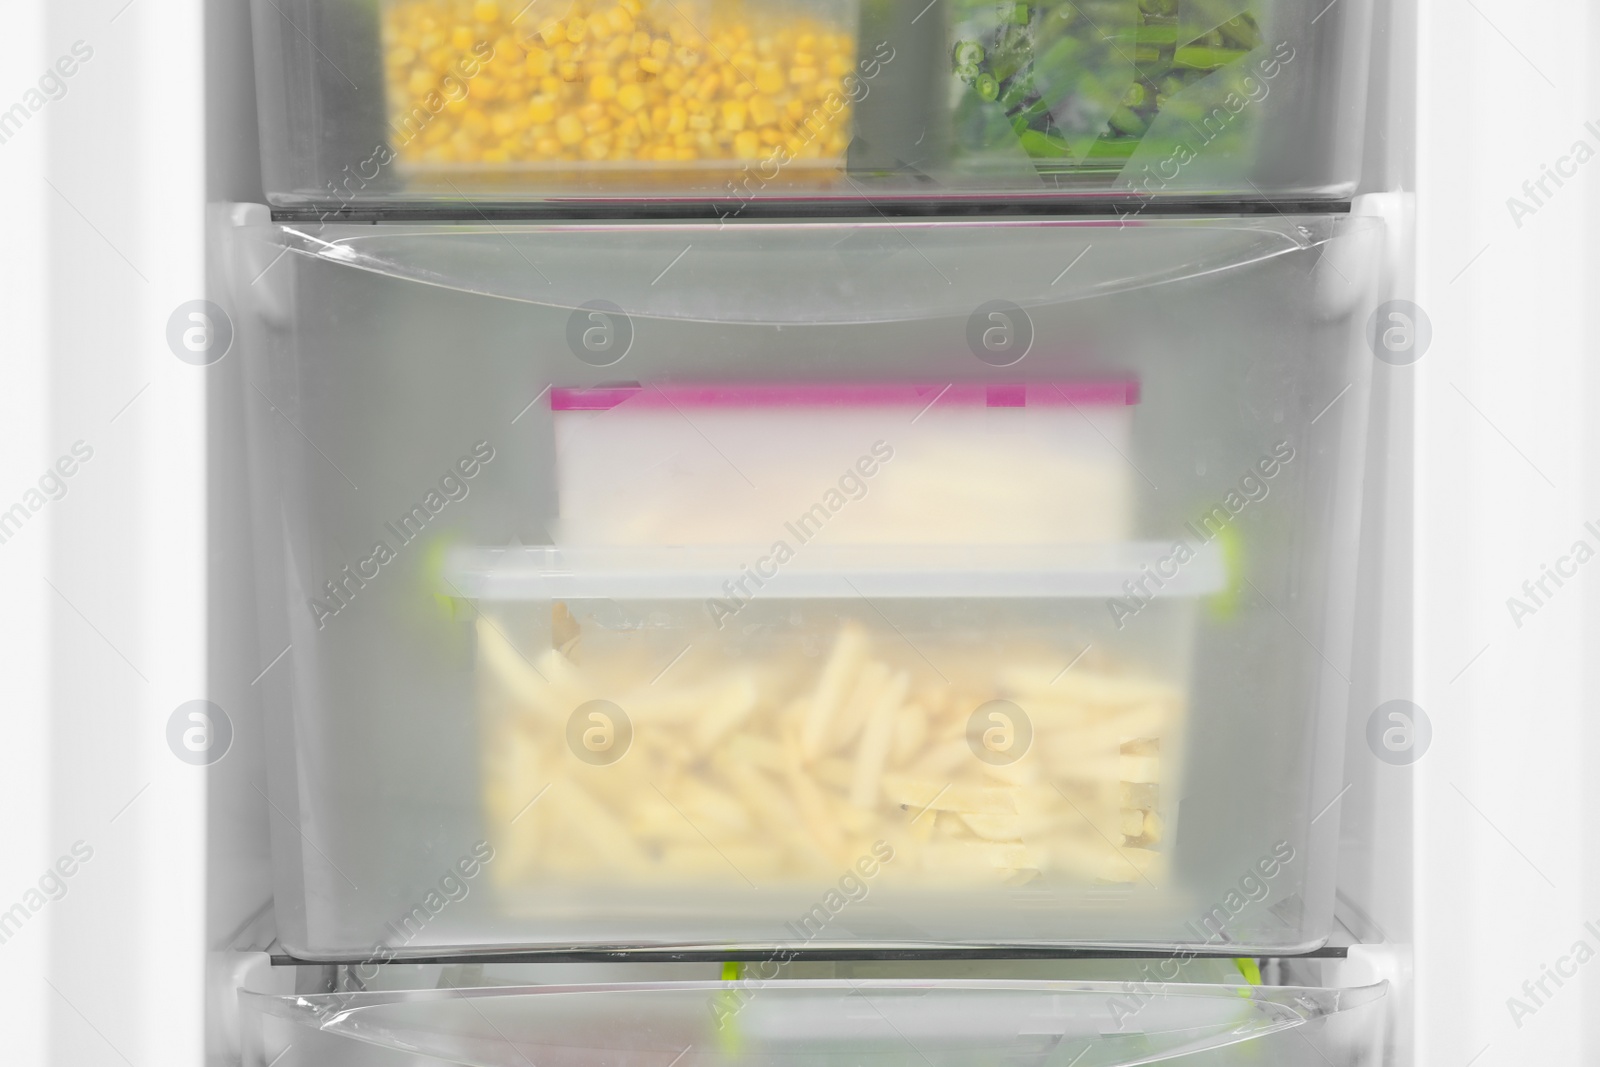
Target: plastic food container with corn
x,y
738,100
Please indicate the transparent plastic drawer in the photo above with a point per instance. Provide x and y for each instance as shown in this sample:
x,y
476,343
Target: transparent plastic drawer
x,y
370,101
944,649
868,1022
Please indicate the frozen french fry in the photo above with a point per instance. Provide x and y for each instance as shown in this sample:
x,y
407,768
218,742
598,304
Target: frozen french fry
x,y
1114,689
919,793
1140,768
1140,795
815,816
943,758
849,649
910,731
876,737
607,839
725,712
980,859
513,671
853,713
1001,827
784,767
1132,823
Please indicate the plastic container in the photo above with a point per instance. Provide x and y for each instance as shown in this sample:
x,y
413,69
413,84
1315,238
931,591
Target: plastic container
x,y
775,1024
867,743
892,463
1156,97
398,387
405,102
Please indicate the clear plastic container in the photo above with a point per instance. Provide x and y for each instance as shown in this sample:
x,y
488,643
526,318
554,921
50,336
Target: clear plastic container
x,y
407,102
864,1023
410,495
867,744
893,463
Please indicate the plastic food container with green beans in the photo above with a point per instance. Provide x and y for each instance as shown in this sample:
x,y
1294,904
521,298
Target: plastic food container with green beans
x,y
1244,98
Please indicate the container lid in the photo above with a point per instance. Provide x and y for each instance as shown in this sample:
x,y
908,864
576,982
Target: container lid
x,y
868,1023
545,572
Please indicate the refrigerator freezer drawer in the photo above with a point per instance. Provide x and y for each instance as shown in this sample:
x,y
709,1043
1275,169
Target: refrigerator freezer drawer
x,y
502,724
780,1024
371,101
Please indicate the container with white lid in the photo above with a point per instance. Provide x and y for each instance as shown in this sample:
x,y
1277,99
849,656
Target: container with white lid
x,y
889,463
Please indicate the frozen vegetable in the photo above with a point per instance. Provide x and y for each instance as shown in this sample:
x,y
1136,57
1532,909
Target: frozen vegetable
x,y
1084,81
765,768
489,83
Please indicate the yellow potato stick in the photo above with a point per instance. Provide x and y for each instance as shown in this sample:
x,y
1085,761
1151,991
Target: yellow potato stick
x,y
1132,823
1032,679
1140,768
781,767
1113,690
755,751
921,826
1010,827
979,858
943,758
857,824
873,751
712,811
814,813
1139,795
835,772
608,840
731,708
919,793
910,731
1023,772
854,710
661,824
934,698
1073,756
849,649
516,674
771,807
563,675
675,704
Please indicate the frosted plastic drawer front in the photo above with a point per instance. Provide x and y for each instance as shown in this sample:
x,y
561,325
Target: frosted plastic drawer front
x,y
743,100
530,701
776,1024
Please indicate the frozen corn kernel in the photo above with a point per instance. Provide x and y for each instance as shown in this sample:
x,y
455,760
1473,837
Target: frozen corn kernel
x,y
631,97
749,81
569,129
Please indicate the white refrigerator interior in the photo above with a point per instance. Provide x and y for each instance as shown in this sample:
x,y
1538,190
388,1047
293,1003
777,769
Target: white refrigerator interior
x,y
490,613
